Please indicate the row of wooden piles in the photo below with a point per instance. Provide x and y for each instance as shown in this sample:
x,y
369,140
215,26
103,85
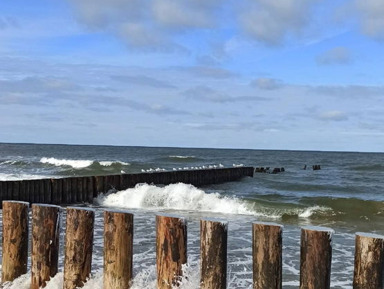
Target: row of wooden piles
x,y
171,250
83,189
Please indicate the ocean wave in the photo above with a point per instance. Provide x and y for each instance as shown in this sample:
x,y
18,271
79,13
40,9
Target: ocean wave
x,y
182,157
77,164
175,197
185,197
80,164
18,177
369,168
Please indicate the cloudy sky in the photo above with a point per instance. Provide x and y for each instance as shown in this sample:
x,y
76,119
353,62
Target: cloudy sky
x,y
260,74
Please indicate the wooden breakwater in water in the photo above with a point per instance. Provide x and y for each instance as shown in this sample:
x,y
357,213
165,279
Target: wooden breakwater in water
x,y
73,190
171,250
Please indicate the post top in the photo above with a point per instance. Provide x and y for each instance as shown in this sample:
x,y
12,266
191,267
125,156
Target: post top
x,y
13,201
82,208
45,205
370,235
182,219
122,211
268,224
318,228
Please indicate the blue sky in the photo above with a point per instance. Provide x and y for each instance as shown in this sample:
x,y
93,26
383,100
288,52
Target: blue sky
x,y
259,74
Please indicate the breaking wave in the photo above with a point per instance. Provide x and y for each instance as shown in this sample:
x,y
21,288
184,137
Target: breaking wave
x,y
80,164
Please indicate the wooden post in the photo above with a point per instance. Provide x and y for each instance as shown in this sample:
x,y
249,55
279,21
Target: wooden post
x,y
369,261
67,188
316,256
90,189
47,191
118,250
45,243
15,240
74,189
16,190
213,252
78,246
267,255
100,186
171,250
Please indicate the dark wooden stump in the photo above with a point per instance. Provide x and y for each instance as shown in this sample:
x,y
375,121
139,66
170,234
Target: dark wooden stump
x,y
118,250
78,246
316,256
369,261
213,252
45,243
267,255
171,250
15,240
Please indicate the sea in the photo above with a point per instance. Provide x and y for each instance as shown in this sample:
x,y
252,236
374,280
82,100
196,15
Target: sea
x,y
345,195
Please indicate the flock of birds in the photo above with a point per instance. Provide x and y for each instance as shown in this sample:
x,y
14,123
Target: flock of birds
x,y
219,166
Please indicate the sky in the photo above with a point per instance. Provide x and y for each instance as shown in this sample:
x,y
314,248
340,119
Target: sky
x,y
257,74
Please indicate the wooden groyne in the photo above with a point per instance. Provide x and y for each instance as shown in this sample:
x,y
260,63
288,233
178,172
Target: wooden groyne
x,y
74,190
171,250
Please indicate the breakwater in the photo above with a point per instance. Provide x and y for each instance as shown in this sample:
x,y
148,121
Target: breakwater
x,y
83,189
171,250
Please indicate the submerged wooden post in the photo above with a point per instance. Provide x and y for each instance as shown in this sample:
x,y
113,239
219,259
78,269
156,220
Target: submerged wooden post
x,y
369,261
171,250
45,243
213,252
78,246
15,240
267,255
316,256
118,250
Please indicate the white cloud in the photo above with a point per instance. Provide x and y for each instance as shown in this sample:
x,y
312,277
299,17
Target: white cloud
x,y
336,55
271,21
158,23
333,115
371,13
267,83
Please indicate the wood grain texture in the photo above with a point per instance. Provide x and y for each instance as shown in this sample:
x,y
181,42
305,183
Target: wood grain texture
x,y
45,244
15,240
369,262
118,250
267,256
316,256
78,247
171,250
213,252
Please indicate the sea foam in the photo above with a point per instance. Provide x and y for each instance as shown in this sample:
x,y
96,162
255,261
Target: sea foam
x,y
175,197
77,164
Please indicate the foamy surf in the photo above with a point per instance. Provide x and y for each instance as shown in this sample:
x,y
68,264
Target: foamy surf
x,y
175,197
78,164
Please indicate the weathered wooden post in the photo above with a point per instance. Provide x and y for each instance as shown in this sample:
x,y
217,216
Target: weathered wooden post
x,y
118,249
78,246
45,243
15,240
213,252
369,261
267,255
316,256
171,250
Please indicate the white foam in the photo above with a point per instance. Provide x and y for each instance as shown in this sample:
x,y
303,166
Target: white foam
x,y
175,197
182,157
77,164
311,210
110,163
16,177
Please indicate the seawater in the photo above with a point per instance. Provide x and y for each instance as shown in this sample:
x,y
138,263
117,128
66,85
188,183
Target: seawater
x,y
345,195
